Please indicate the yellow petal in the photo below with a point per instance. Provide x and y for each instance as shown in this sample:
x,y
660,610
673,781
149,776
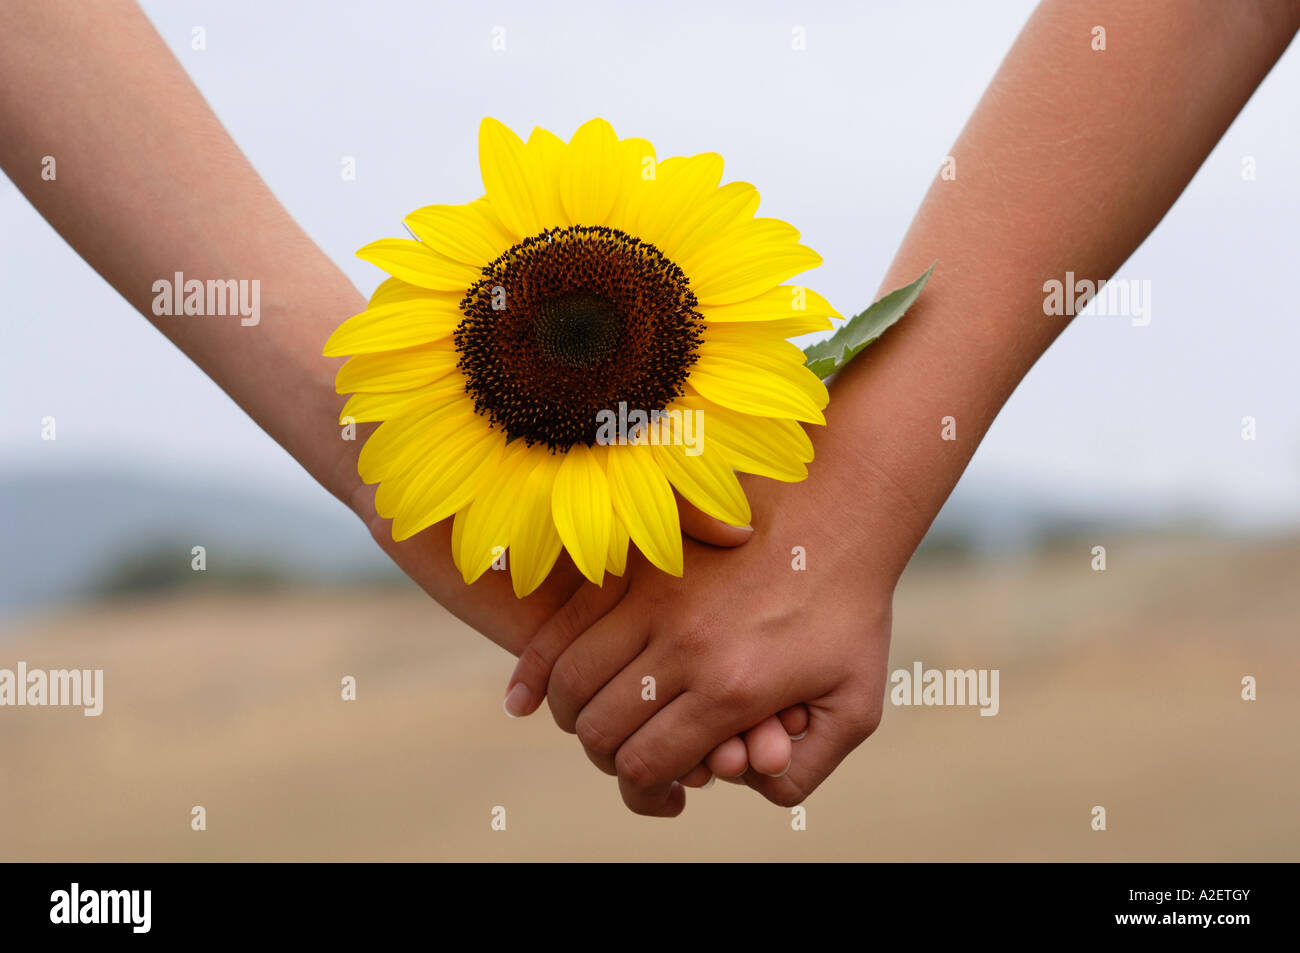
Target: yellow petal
x,y
780,358
759,349
364,408
701,225
636,177
457,534
705,480
589,180
447,480
490,518
388,327
768,447
783,301
643,500
616,558
534,542
739,243
398,443
762,388
546,157
744,333
734,277
582,511
396,370
507,178
418,264
391,290
681,185
468,233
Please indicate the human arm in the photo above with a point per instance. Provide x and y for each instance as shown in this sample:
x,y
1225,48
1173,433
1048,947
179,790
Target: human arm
x,y
1070,160
148,183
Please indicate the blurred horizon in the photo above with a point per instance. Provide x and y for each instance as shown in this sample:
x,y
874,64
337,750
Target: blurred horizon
x,y
128,531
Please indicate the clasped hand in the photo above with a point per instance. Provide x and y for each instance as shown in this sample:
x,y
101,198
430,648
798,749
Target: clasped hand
x,y
764,663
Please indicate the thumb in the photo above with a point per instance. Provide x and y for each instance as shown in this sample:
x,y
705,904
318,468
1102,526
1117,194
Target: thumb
x,y
703,528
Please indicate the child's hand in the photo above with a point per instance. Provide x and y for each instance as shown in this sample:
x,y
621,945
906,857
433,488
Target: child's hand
x,y
765,746
489,605
742,637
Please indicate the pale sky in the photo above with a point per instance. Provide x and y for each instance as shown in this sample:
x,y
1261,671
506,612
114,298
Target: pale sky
x,y
842,139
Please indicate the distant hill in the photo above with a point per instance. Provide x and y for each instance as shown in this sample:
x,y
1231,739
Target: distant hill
x,y
67,536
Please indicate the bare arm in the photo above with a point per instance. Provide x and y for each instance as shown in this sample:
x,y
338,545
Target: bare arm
x,y
148,183
1071,158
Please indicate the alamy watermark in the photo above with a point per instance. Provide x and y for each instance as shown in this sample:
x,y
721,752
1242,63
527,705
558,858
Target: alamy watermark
x,y
1126,298
179,295
130,907
946,687
53,688
679,426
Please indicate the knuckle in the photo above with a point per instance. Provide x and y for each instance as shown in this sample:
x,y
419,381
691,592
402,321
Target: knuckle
x,y
693,642
534,660
736,685
633,769
566,682
593,739
862,720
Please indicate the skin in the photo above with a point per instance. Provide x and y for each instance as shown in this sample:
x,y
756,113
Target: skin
x,y
131,213
1069,161
149,183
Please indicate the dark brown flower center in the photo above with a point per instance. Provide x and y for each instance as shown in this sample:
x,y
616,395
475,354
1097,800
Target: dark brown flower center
x,y
570,323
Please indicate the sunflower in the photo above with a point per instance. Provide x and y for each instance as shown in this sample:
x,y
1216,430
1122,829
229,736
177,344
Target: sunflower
x,y
591,283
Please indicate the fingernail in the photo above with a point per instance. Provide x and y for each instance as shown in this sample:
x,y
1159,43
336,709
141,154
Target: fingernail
x,y
709,783
801,736
782,774
517,700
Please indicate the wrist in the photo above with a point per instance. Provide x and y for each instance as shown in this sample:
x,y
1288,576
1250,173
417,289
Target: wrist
x,y
297,403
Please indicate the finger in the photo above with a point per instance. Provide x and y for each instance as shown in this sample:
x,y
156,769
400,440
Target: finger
x,y
527,685
729,760
832,734
627,700
584,669
795,721
769,747
672,804
677,739
698,777
705,529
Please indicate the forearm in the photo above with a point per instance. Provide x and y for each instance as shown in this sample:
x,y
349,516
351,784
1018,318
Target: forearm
x,y
1071,158
147,184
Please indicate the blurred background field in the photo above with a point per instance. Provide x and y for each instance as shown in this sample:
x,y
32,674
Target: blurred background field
x,y
1119,688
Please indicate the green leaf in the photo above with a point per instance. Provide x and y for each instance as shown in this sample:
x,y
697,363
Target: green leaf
x,y
827,357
